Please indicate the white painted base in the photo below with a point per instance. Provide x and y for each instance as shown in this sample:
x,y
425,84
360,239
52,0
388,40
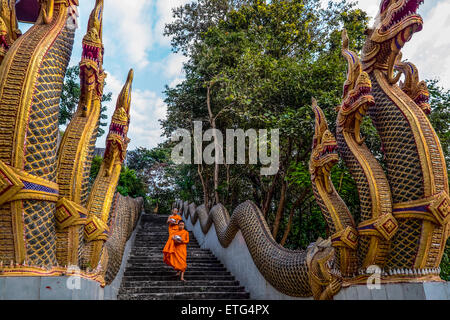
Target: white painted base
x,y
48,288
398,291
56,288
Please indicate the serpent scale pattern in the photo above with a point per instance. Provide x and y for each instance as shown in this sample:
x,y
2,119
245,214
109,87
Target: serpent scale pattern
x,y
286,270
42,131
123,219
403,171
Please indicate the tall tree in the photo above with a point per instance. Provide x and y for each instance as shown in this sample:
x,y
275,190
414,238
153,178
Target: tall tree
x,y
256,64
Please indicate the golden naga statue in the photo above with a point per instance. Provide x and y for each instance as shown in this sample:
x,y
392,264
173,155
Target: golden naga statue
x,y
405,208
49,222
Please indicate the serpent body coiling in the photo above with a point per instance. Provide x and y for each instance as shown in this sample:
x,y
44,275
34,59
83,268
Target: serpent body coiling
x,y
31,77
415,164
284,269
49,224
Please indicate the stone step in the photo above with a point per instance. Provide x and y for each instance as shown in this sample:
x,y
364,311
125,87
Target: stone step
x,y
161,263
187,288
157,253
145,233
152,233
159,240
166,268
189,260
147,252
164,273
185,296
159,258
147,277
168,277
161,246
178,283
157,248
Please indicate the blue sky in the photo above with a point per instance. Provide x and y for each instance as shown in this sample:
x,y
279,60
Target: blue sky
x,y
133,38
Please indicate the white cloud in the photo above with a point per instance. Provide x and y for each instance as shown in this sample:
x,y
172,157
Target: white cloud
x,y
369,6
164,12
146,109
171,67
128,29
176,82
429,48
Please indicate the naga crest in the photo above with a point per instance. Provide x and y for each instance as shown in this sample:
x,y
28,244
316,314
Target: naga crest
x,y
357,96
417,90
324,153
117,141
394,25
91,66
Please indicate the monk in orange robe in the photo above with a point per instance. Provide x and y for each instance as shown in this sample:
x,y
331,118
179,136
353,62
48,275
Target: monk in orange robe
x,y
173,220
175,252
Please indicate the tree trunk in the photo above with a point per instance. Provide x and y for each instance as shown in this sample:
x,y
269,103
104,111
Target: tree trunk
x,y
269,196
204,187
229,199
280,210
291,216
284,186
212,122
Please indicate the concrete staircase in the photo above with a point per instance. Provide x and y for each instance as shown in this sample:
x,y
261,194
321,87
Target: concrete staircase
x,y
147,277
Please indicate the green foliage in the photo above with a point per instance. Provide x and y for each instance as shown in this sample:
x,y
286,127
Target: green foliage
x,y
263,61
440,119
142,158
445,264
440,115
153,169
95,168
70,96
130,184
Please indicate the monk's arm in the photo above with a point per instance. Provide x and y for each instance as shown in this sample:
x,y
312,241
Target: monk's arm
x,y
186,238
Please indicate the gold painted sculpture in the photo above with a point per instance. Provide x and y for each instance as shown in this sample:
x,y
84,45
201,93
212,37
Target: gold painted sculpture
x,y
49,223
405,209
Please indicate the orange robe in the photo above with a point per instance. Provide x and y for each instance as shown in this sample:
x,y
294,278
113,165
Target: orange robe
x,y
174,227
175,253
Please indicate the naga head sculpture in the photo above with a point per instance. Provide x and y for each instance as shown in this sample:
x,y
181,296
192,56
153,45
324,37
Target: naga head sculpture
x,y
117,141
325,279
417,90
394,25
357,96
91,66
47,8
324,152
